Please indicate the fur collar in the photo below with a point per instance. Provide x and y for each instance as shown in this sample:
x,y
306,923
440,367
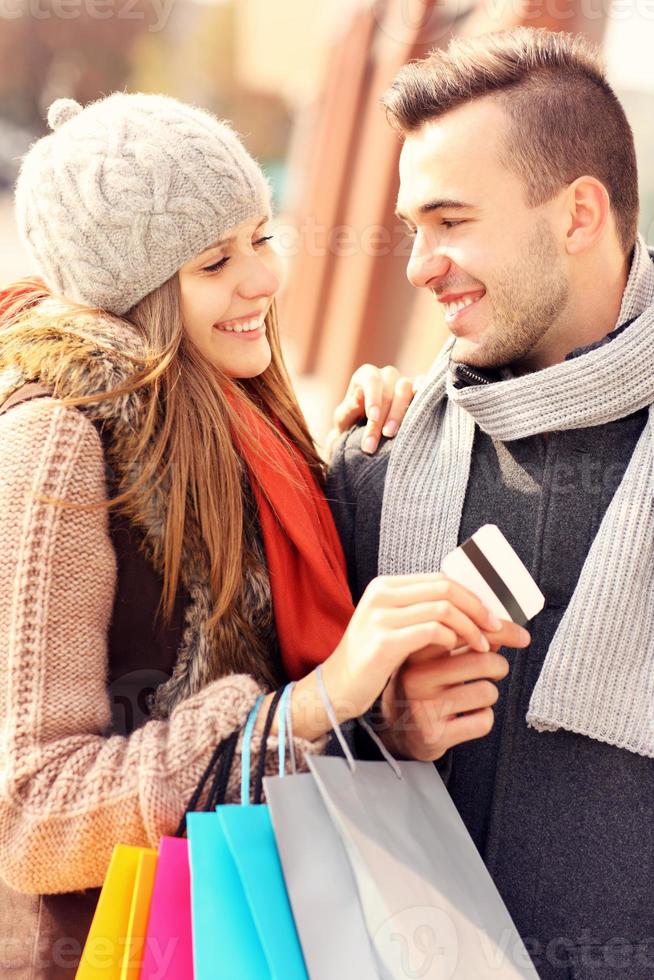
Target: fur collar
x,y
100,353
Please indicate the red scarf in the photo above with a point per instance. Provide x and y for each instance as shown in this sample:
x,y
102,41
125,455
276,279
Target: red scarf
x,y
310,594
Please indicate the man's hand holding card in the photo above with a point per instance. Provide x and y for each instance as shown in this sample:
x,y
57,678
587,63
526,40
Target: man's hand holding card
x,y
440,698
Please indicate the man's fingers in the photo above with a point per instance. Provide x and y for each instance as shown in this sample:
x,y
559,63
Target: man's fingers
x,y
467,728
423,679
469,697
428,734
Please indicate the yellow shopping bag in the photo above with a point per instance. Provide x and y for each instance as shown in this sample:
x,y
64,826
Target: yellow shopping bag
x,y
114,946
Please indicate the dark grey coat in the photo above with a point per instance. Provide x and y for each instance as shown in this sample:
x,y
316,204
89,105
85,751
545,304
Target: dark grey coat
x,y
564,823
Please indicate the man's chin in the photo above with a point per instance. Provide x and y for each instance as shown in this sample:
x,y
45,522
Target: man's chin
x,y
467,351
476,354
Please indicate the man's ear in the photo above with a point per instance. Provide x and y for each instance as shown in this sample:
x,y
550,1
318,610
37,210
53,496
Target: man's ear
x,y
587,211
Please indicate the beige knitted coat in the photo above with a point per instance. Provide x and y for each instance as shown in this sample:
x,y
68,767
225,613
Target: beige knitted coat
x,y
68,793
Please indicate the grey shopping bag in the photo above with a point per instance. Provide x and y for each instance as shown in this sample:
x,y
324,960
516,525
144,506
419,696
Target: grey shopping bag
x,y
431,908
319,881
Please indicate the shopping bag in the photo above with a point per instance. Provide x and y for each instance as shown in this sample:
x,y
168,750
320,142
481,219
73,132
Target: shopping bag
x,y
114,945
431,908
242,922
225,942
168,949
320,884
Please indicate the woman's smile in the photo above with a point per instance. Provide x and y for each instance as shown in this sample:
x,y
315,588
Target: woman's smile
x,y
245,332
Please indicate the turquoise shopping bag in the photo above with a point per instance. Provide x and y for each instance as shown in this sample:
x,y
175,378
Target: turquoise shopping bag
x,y
242,921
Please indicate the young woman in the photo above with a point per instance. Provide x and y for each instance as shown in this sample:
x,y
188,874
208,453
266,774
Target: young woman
x,y
166,553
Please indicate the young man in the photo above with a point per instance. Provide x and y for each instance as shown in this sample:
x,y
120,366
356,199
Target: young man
x,y
519,185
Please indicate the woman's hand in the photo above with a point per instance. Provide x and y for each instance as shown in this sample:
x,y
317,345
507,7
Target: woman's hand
x,y
382,395
398,617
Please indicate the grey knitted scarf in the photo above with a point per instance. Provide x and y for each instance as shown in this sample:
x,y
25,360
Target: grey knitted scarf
x,y
598,675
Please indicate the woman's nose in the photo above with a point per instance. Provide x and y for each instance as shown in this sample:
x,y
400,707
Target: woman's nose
x,y
261,279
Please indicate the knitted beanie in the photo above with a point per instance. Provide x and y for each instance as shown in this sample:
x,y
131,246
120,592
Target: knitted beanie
x,y
126,190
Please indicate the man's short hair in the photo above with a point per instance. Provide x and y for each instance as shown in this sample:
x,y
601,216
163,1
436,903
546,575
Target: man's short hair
x,y
565,120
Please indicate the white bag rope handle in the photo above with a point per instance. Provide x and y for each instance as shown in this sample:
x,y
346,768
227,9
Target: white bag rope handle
x,y
331,714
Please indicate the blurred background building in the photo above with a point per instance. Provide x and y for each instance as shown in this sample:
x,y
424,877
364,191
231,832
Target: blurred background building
x,y
301,82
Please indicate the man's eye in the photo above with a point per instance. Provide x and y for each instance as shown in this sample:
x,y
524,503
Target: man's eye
x,y
451,224
217,265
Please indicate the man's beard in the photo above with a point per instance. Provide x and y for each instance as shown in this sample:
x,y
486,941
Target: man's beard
x,y
526,299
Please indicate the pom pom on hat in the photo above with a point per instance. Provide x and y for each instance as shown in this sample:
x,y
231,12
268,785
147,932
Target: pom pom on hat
x,y
61,111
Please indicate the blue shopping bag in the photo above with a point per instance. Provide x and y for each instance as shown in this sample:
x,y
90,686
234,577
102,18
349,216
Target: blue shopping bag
x,y
242,921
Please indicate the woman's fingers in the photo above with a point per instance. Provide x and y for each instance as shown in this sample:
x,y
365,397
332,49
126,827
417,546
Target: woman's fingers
x,y
350,410
363,398
377,395
407,590
509,635
378,391
398,644
380,395
443,612
403,394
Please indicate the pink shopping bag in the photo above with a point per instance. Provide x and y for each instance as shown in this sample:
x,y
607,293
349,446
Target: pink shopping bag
x,y
168,950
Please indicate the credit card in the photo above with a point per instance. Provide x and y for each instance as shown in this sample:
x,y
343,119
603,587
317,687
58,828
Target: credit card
x,y
487,565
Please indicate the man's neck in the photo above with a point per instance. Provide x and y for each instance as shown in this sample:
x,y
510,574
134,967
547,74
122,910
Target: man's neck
x,y
583,322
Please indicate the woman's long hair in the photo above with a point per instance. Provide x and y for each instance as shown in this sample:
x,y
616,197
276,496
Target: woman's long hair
x,y
186,437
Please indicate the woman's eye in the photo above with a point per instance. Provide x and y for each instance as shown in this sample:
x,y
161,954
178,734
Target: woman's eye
x,y
223,262
451,224
217,265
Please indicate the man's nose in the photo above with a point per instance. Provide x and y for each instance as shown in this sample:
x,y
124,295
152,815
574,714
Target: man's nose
x,y
426,264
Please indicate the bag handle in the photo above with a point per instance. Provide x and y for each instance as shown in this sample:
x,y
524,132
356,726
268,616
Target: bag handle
x,y
261,767
331,714
223,755
218,791
222,758
291,743
286,722
246,750
215,759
